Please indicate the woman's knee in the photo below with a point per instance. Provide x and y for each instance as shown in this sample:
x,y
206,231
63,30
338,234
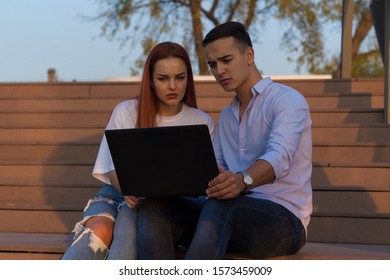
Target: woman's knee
x,y
102,227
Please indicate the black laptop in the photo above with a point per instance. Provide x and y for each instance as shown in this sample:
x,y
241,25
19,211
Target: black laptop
x,y
163,161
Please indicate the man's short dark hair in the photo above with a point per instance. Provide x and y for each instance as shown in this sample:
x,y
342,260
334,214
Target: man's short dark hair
x,y
228,29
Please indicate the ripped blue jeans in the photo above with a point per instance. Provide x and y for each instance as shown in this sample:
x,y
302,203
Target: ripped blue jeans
x,y
109,203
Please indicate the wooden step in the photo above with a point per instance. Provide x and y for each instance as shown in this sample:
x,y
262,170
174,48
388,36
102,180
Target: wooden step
x,y
46,198
58,105
357,153
49,221
324,177
368,204
351,133
334,203
50,175
204,87
51,135
355,85
27,154
349,230
347,116
351,178
212,104
69,90
100,119
55,120
322,228
340,251
30,246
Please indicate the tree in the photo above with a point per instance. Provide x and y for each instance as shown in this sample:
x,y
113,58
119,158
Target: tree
x,y
147,22
309,16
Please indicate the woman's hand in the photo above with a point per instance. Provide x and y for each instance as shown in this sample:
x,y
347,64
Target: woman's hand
x,y
132,202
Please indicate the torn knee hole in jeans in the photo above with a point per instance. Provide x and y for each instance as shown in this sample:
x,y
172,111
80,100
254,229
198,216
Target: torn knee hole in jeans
x,y
95,243
80,225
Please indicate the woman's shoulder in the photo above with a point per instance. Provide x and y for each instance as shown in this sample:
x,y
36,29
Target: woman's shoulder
x,y
126,105
124,115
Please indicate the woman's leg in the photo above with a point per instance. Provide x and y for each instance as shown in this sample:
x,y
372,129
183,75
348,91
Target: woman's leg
x,y
256,227
93,234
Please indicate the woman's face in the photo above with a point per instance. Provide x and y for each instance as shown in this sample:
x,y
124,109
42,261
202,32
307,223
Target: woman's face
x,y
170,82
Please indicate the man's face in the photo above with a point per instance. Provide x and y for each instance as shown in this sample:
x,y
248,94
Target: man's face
x,y
227,63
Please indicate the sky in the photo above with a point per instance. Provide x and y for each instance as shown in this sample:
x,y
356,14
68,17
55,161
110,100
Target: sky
x,y
36,35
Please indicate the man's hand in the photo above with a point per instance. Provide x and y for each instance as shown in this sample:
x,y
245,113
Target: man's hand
x,y
226,185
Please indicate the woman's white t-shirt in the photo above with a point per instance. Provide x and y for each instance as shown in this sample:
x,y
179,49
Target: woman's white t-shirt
x,y
125,116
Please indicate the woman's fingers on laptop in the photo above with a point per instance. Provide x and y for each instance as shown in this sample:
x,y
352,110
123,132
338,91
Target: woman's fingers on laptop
x,y
132,201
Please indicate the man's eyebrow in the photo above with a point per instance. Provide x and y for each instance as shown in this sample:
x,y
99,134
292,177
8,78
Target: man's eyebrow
x,y
220,58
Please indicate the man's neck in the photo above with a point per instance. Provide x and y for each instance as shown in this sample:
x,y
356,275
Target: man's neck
x,y
244,93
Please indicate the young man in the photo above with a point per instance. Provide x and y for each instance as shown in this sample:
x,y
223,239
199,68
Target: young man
x,y
260,203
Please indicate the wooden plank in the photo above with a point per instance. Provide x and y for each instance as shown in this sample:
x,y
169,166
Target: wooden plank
x,y
48,154
34,242
351,203
118,90
51,135
330,102
29,256
86,154
349,116
51,175
349,230
45,198
351,178
323,178
58,105
337,251
39,248
44,90
351,133
39,221
365,154
55,120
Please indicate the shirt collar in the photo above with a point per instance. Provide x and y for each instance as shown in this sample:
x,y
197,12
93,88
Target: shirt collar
x,y
261,85
257,89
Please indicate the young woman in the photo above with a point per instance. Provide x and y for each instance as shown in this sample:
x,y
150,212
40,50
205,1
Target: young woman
x,y
167,98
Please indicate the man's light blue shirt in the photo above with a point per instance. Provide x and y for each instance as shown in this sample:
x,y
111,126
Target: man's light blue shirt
x,y
275,127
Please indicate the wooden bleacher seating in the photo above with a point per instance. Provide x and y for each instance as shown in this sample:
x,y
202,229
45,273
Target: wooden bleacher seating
x,y
50,133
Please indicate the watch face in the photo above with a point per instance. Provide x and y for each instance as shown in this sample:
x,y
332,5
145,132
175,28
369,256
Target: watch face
x,y
248,180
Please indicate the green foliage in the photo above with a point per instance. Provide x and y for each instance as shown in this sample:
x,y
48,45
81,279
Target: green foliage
x,y
147,22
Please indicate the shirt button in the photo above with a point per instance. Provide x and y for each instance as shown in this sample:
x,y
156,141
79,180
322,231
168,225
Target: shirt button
x,y
242,149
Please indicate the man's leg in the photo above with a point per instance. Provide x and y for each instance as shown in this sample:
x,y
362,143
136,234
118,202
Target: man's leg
x,y
255,227
164,223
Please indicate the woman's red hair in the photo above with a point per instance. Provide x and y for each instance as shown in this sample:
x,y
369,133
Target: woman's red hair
x,y
148,100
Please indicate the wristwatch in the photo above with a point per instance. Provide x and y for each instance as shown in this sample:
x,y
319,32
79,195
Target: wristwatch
x,y
248,181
